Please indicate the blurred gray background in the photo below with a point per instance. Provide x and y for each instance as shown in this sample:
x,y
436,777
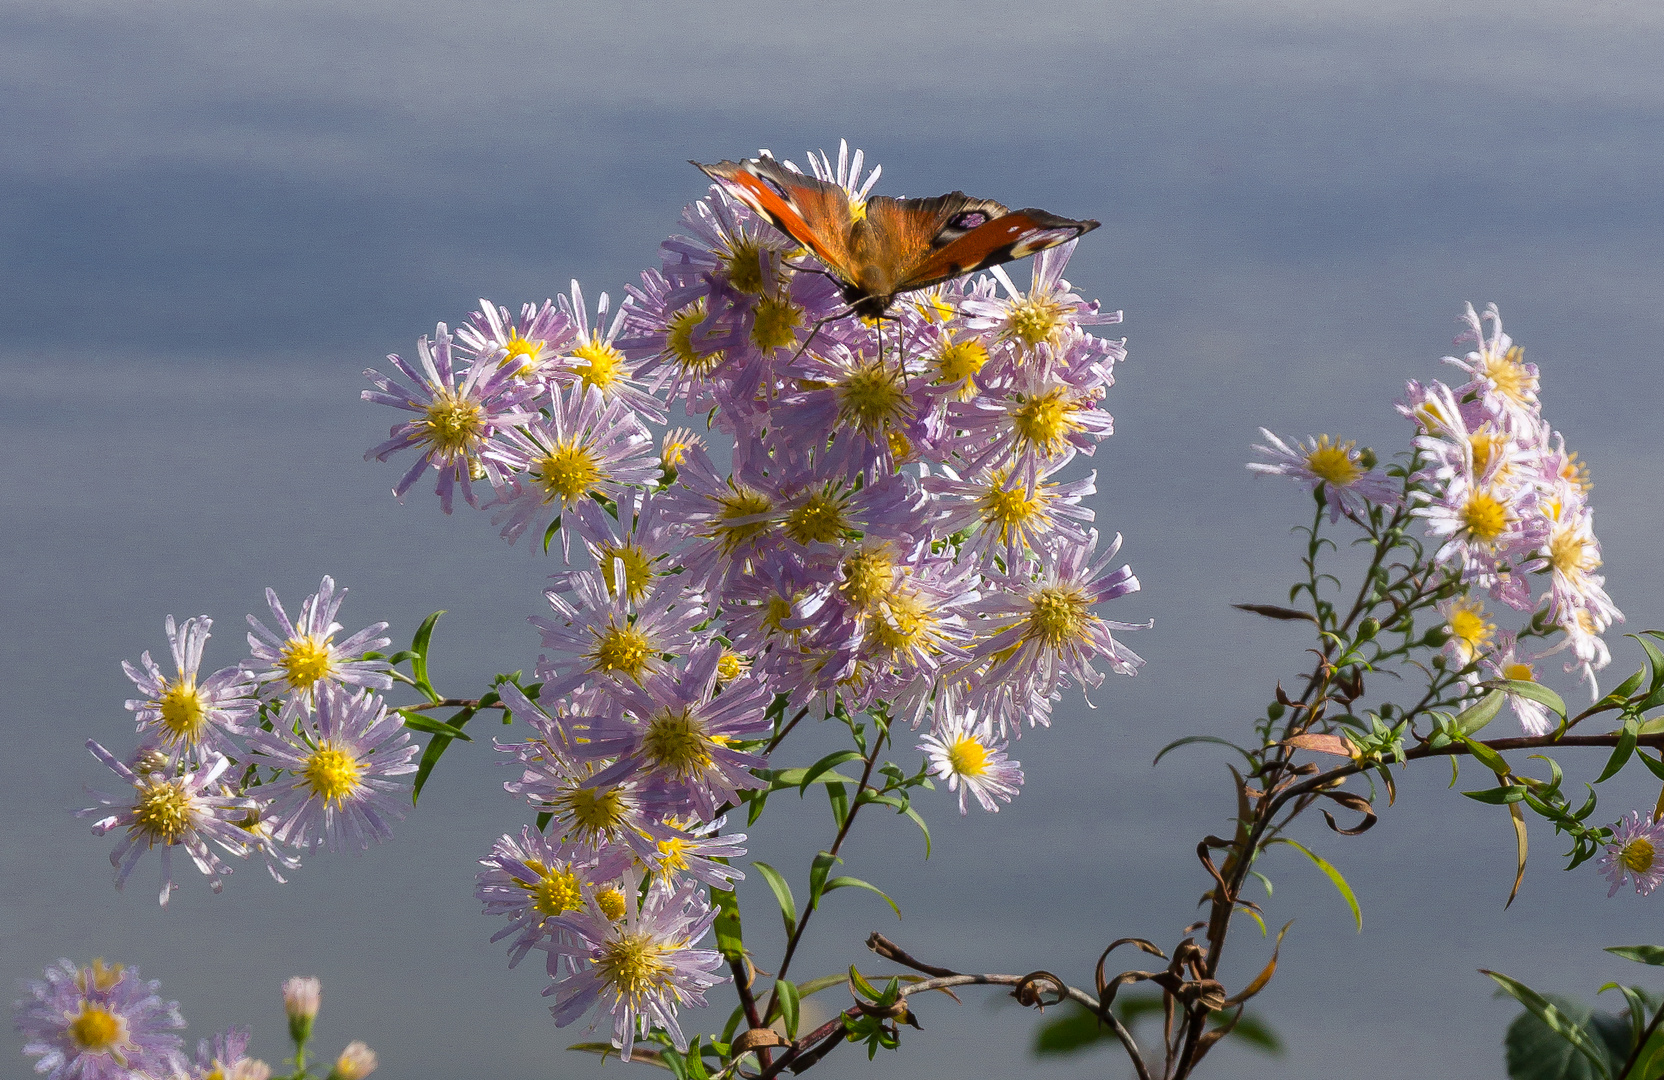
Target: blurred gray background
x,y
214,216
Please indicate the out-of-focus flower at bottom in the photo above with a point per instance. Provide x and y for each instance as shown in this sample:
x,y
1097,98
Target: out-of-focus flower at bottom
x,y
99,1023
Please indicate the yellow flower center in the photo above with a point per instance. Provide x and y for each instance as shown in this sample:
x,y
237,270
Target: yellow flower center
x,y
932,305
1469,628
871,398
679,341
1035,320
638,568
567,472
1046,420
744,263
1485,444
777,609
1637,855
595,812
598,363
741,502
967,757
674,450
1332,463
1059,616
730,666
304,660
183,712
1519,672
454,423
96,1029
555,892
332,774
100,977
611,903
633,965
676,743
868,576
820,518
1571,554
1508,374
1484,516
908,623
522,354
673,854
1576,472
962,360
162,812
775,323
1008,510
622,649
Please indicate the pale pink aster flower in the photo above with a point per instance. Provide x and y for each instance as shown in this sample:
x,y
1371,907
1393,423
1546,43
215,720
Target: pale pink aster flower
x,y
1337,467
600,635
339,759
527,346
694,852
302,655
1044,417
226,1058
1508,663
1491,535
302,996
455,417
1470,628
1016,513
872,410
1046,314
531,880
686,354
185,810
1508,384
584,447
189,718
596,360
642,537
967,757
355,1063
1633,854
729,246
639,968
99,1023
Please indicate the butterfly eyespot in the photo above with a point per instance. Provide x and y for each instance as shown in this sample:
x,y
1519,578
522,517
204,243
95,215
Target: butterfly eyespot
x,y
970,219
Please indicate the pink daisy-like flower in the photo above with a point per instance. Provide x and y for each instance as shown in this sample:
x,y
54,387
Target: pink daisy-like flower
x,y
99,1023
188,718
339,758
1046,314
600,635
531,880
1633,854
639,968
695,850
304,655
455,417
1012,512
226,1058
1507,383
967,757
186,810
527,346
1508,663
1337,467
595,360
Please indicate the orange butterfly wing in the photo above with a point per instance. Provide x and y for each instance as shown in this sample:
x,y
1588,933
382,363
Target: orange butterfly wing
x,y
970,239
812,212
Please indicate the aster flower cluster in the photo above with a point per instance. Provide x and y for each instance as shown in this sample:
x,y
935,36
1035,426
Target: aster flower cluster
x,y
290,749
878,518
103,1022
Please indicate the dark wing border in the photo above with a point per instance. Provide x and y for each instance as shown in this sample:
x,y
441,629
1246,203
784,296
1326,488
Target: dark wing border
x,y
1015,235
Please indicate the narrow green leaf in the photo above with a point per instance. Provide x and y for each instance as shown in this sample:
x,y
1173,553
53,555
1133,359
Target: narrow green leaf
x,y
845,882
1622,691
419,663
1497,796
1332,874
435,750
785,994
818,869
830,761
1620,753
607,1049
1480,713
1655,660
1536,691
861,984
1487,757
1191,739
1641,954
730,941
415,721
919,821
1557,1021
815,986
838,796
782,895
1637,1009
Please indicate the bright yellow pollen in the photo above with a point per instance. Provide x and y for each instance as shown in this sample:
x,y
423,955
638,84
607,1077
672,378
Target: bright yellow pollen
x,y
1045,421
934,307
1510,377
522,354
857,207
901,447
638,568
908,623
730,666
962,360
1570,554
623,649
594,811
868,576
183,713
567,473
679,341
1469,628
742,502
673,854
774,323
632,965
1519,672
611,903
453,423
1009,510
674,449
332,774
96,1030
744,263
162,812
1332,463
555,892
871,397
1059,616
600,363
967,757
304,661
1576,472
1035,320
820,518
100,977
676,743
1484,517
1485,445
1637,855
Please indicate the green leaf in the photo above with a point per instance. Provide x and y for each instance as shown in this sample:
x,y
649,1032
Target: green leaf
x,y
1622,691
782,895
1621,752
919,821
785,995
606,1049
1190,739
1497,796
830,761
862,986
1655,660
1536,691
1486,756
1332,874
818,870
1641,954
417,722
838,797
1562,1020
845,882
1480,713
435,750
419,663
729,939
815,986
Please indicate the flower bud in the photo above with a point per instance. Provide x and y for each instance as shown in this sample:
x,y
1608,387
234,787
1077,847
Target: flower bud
x,y
356,1062
1368,629
300,1001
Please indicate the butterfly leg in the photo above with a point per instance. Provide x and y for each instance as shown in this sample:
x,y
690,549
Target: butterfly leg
x,y
813,330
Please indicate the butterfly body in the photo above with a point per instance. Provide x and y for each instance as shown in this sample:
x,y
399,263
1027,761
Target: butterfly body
x,y
897,245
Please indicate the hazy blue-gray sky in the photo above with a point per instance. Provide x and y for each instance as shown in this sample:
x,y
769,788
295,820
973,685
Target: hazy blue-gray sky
x,y
214,216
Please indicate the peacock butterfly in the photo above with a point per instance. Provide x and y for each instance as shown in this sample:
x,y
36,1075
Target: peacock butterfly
x,y
899,244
